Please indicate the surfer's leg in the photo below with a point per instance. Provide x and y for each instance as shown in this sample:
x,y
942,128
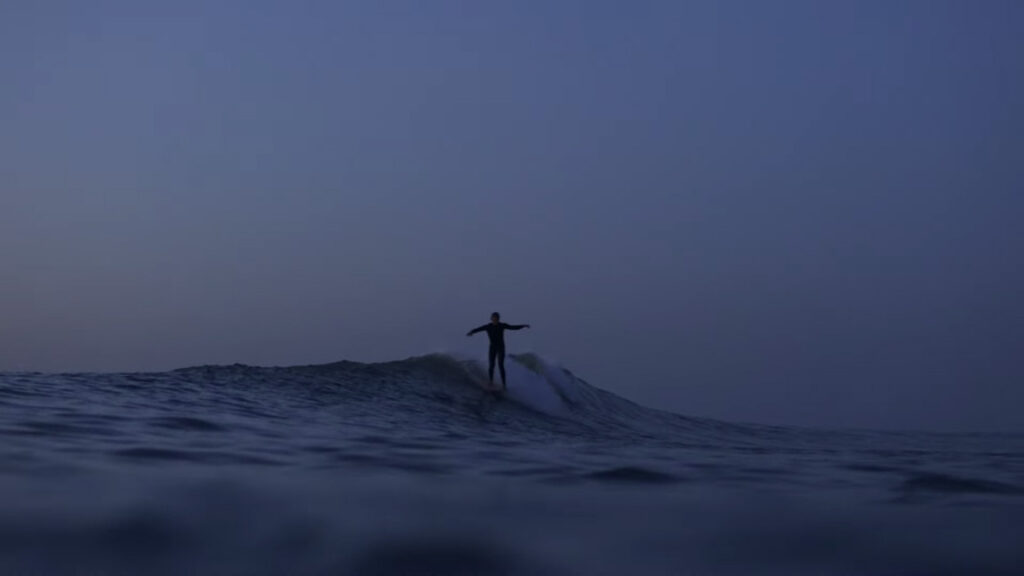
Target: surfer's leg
x,y
501,366
490,363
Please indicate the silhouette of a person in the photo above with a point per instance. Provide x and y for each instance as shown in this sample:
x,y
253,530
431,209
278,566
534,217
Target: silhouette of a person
x,y
496,333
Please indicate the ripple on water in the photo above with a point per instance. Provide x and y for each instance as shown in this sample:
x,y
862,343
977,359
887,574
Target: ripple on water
x,y
150,454
633,475
185,423
924,483
62,429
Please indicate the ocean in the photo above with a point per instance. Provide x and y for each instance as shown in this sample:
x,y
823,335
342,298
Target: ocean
x,y
410,468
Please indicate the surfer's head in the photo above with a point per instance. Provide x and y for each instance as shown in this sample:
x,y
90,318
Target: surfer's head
x,y
495,318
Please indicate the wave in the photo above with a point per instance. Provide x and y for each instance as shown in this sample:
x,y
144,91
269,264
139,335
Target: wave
x,y
549,395
434,392
431,414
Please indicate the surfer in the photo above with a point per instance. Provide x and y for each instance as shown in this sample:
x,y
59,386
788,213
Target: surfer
x,y
496,333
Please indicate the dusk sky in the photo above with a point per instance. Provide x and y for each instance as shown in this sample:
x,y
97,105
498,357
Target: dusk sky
x,y
792,212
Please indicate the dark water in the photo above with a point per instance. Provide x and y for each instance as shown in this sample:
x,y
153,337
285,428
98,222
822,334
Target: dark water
x,y
409,468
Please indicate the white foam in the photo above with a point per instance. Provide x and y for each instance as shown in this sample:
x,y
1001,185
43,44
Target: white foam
x,y
532,389
542,391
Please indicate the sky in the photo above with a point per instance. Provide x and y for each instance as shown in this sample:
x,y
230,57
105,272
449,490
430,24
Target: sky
x,y
792,212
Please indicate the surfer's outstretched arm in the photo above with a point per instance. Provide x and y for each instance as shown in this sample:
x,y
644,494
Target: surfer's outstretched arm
x,y
475,330
516,326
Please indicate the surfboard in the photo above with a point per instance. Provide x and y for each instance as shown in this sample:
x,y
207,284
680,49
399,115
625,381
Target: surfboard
x,y
483,382
496,388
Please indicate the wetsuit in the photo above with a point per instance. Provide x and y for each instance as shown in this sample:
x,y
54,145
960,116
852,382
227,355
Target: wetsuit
x,y
496,334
